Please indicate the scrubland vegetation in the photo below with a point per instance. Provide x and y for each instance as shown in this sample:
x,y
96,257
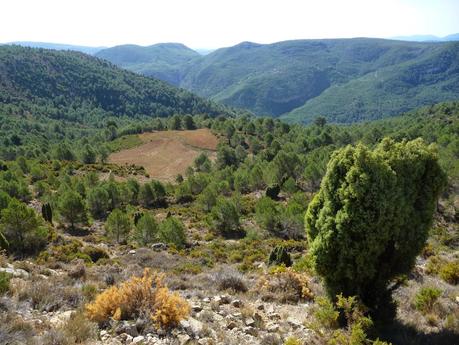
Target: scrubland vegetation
x,y
279,208
284,234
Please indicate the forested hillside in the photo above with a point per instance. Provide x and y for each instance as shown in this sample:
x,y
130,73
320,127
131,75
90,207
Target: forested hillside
x,y
344,80
162,61
78,87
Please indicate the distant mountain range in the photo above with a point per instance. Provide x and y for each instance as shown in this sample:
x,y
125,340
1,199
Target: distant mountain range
x,y
58,46
428,38
345,80
162,61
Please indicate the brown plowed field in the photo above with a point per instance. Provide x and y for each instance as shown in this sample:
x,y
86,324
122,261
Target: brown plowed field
x,y
168,153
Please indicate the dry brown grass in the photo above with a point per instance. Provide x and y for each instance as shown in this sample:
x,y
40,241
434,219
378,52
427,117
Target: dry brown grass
x,y
166,154
140,295
284,286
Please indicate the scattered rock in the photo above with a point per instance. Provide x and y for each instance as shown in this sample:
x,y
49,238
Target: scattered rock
x,y
272,328
294,323
183,339
196,308
274,316
138,339
16,272
132,252
192,326
231,324
127,328
250,330
237,303
58,320
159,246
250,322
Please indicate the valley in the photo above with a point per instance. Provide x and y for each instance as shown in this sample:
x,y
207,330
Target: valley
x,y
344,80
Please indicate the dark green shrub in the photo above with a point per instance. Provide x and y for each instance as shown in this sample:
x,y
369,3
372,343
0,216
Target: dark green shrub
x,y
280,256
118,225
371,216
98,202
72,208
224,217
95,253
172,231
22,229
273,191
4,282
146,230
267,215
47,213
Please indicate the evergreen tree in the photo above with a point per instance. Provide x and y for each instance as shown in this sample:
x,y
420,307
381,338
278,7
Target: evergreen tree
x,y
21,229
118,225
146,230
371,216
72,208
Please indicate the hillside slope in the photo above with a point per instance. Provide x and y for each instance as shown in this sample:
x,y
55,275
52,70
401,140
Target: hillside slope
x,y
345,80
58,46
162,61
388,91
72,85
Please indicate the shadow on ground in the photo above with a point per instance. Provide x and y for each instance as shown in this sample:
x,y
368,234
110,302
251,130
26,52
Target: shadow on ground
x,y
400,334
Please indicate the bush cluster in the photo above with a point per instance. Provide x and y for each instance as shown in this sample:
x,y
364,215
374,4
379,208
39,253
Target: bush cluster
x,y
146,295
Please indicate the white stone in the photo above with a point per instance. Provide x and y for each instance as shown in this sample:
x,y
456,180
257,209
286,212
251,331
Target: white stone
x,y
16,272
60,319
138,339
183,339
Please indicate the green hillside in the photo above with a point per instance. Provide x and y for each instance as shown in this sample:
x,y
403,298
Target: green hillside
x,y
75,86
162,61
277,78
345,80
388,91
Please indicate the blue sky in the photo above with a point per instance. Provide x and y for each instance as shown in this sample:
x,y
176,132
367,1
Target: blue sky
x,y
218,23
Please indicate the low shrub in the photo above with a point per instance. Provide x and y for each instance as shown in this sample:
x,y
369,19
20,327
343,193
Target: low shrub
x,y
188,267
78,271
285,286
48,295
280,256
65,253
449,272
228,278
426,298
89,292
292,341
95,253
78,329
327,317
4,282
140,296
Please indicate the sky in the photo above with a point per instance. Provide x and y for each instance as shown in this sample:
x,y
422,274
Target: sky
x,y
220,23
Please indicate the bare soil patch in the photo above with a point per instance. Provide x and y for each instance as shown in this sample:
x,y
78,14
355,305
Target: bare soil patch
x,y
168,153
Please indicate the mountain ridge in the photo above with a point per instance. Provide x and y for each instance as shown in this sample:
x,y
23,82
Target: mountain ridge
x,y
280,78
78,86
